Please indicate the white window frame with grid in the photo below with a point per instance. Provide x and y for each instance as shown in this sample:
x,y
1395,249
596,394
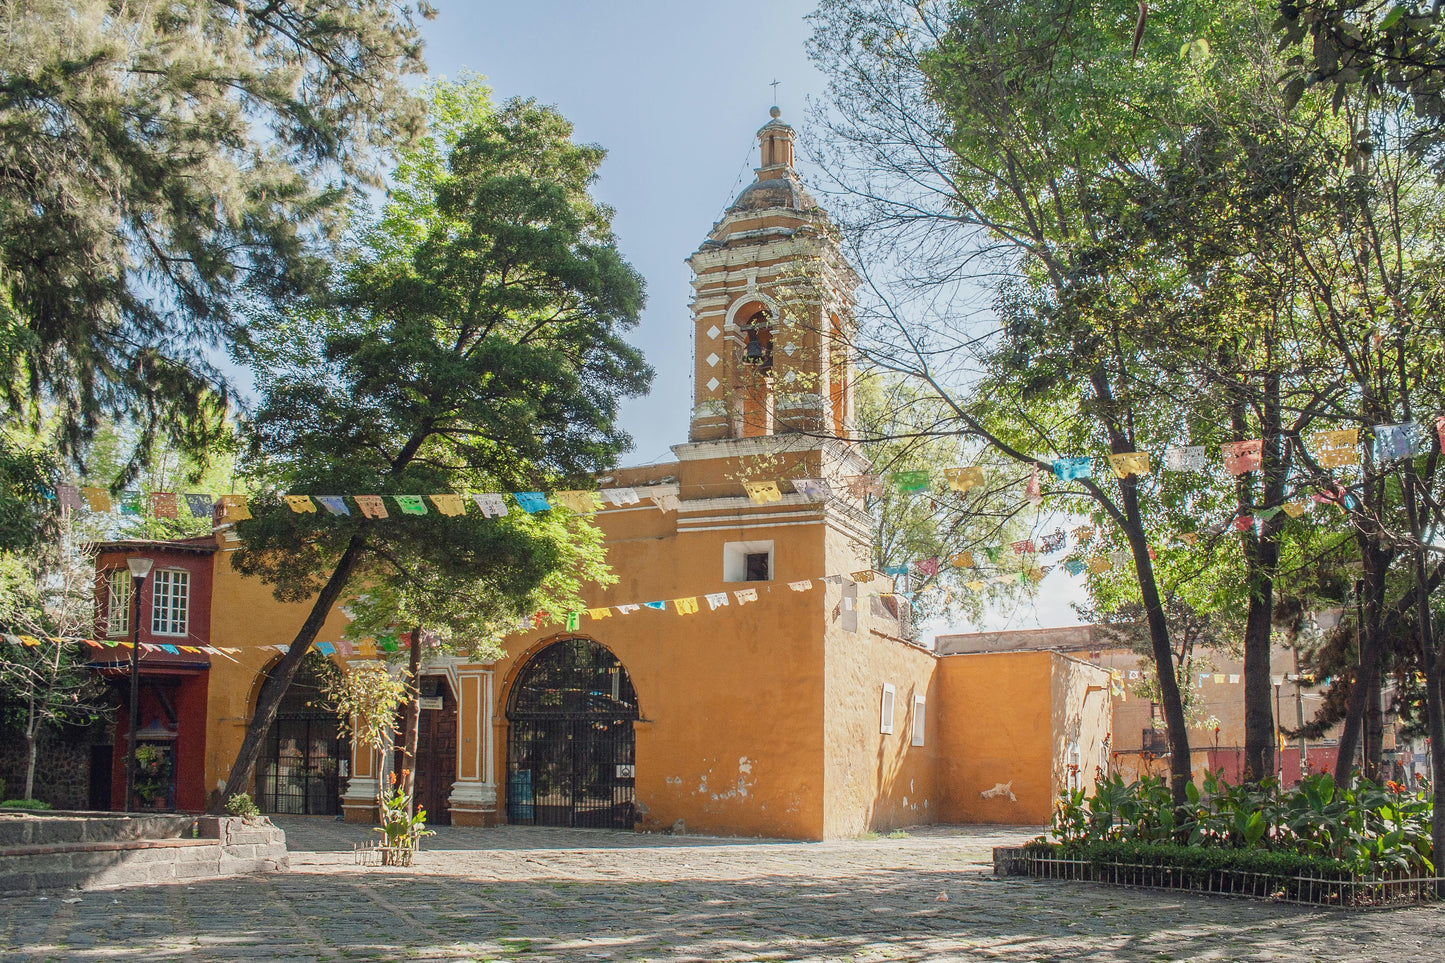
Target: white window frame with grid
x,y
171,606
118,600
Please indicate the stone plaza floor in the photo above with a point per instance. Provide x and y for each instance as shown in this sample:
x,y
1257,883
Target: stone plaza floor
x,y
542,894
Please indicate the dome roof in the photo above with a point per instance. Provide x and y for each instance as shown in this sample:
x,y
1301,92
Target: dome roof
x,y
785,192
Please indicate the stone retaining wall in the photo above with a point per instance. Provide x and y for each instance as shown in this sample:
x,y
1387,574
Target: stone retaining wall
x,y
70,852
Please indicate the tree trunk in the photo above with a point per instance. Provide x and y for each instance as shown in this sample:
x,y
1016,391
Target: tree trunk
x,y
1430,657
1368,622
413,722
1374,728
268,701
1261,555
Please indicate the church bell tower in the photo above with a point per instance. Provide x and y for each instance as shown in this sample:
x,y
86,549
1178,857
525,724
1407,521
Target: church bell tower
x,y
772,311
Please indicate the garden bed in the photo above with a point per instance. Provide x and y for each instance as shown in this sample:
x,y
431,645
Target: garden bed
x,y
1214,873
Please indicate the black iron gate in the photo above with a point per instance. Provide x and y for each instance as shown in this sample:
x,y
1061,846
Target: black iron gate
x,y
570,743
304,767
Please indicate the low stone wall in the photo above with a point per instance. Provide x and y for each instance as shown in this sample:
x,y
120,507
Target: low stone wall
x,y
40,853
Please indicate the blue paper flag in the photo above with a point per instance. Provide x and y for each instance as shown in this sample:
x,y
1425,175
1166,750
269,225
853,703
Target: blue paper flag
x,y
1073,566
1394,442
201,505
325,648
531,502
171,649
335,504
1068,469
660,606
895,570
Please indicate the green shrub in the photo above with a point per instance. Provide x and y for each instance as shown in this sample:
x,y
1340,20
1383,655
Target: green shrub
x,y
24,804
1364,827
242,805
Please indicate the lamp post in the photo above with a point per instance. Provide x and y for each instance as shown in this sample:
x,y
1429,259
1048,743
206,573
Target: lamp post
x,y
139,569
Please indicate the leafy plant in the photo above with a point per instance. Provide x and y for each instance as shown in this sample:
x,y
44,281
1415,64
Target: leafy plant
x,y
402,828
241,804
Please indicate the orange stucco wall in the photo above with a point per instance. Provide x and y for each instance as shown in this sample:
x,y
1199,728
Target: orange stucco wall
x,y
1009,719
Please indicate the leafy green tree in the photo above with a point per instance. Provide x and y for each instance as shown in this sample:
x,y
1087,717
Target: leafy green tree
x,y
162,168
488,358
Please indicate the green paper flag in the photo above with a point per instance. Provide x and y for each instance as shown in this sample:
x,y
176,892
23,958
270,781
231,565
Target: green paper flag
x,y
910,481
574,621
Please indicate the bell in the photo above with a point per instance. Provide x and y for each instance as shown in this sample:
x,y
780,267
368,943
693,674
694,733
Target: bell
x,y
753,353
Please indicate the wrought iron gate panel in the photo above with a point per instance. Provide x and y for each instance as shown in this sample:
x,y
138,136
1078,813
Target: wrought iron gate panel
x,y
304,766
570,744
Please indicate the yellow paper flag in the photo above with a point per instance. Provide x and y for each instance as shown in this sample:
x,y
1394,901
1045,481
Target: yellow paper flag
x,y
301,504
1130,463
97,498
962,479
449,504
685,606
234,508
581,502
762,492
1337,449
602,613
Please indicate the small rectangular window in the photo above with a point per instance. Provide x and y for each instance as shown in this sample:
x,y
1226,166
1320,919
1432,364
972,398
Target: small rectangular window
x,y
117,603
918,703
170,602
758,569
885,719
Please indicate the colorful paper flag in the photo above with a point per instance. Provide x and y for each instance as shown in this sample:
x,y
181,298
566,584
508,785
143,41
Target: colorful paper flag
x,y
1295,509
1184,458
670,503
200,504
687,606
621,496
410,504
1024,546
815,489
1242,456
300,504
97,498
1440,431
69,497
449,504
962,479
577,501
1033,491
716,600
927,567
1337,449
163,505
234,508
895,570
532,502
335,504
372,506
763,492
492,504
1244,523
865,575
744,596
1233,679
628,609
1130,463
602,613
1073,566
574,621
1052,542
802,585
909,481
1072,469
860,486
130,502
962,560
659,606
1394,442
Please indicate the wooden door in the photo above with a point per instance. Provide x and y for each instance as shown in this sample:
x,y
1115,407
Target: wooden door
x,y
436,749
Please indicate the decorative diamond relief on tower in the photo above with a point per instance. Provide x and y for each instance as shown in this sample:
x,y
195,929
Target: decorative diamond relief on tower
x,y
712,384
712,360
788,349
713,331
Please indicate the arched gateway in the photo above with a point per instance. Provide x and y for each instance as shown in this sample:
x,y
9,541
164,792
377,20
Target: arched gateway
x,y
570,739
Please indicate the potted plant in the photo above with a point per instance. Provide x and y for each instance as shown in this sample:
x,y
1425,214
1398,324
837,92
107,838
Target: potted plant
x,y
152,775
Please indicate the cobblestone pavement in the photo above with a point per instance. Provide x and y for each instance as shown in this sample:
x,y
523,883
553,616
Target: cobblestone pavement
x,y
538,894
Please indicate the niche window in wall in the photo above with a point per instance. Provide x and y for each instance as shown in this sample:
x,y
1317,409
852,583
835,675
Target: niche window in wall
x,y
918,705
748,561
117,603
170,601
885,716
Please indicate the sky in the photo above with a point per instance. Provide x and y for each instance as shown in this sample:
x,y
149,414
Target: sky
x,y
675,92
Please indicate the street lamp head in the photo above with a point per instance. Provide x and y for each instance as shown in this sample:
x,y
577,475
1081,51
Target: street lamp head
x,y
139,567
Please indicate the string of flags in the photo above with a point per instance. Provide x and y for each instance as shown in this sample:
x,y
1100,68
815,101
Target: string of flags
x,y
35,641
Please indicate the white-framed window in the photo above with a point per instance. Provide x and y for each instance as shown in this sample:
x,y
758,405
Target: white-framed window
x,y
117,602
170,601
918,706
885,714
748,561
